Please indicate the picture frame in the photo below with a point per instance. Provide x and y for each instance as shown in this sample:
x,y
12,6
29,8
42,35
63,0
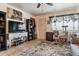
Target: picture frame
x,y
14,14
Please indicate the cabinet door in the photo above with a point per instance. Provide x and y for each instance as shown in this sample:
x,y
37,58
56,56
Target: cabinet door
x,y
49,36
3,43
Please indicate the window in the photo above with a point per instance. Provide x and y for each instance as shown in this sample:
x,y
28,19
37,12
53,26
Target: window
x,y
65,22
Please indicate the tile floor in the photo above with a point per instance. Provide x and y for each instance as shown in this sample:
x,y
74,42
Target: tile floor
x,y
38,48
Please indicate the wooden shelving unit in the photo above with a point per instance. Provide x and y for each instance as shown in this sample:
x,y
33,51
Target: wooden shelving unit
x,y
2,27
30,26
2,20
3,31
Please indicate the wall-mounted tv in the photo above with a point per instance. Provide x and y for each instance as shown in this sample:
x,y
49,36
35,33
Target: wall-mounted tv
x,y
14,26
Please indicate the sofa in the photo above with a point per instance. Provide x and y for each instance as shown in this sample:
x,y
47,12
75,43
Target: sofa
x,y
75,45
75,49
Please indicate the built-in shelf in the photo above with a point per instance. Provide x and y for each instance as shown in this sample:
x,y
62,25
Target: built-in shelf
x,y
3,45
30,23
2,20
2,27
2,34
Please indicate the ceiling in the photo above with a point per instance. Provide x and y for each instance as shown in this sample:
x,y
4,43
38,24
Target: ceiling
x,y
44,8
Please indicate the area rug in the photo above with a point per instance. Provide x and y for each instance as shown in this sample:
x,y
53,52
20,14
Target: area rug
x,y
47,49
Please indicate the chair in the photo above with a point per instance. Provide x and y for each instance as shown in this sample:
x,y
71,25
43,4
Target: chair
x,y
56,36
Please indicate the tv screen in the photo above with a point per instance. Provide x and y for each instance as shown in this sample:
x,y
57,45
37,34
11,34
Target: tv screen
x,y
15,26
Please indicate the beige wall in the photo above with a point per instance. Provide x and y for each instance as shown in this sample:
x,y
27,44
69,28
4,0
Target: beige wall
x,y
43,27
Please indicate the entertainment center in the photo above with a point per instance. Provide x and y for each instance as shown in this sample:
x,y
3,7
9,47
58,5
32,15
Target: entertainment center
x,y
17,33
18,29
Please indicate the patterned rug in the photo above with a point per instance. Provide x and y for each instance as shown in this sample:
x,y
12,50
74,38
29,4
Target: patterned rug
x,y
47,49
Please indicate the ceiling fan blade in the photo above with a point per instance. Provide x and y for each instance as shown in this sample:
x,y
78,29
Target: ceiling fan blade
x,y
38,5
50,4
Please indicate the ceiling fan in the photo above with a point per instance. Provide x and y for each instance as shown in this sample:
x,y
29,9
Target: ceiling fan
x,y
39,4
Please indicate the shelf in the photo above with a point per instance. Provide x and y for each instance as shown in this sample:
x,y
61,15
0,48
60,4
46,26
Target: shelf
x,y
2,27
2,34
3,44
30,28
2,20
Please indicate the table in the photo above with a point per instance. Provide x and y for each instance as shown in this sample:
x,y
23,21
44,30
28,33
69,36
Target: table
x,y
49,36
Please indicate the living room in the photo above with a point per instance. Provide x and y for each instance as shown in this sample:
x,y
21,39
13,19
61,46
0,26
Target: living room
x,y
39,29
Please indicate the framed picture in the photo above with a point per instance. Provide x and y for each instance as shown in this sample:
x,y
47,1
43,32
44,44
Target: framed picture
x,y
14,14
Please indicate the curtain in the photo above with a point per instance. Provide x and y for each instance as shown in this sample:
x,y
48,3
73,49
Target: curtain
x,y
71,21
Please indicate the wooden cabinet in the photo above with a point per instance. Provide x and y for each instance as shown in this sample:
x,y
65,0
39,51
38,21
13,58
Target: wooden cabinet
x,y
49,36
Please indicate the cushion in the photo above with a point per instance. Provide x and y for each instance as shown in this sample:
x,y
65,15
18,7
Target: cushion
x,y
75,41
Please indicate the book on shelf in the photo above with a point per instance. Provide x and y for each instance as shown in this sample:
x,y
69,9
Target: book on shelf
x,y
30,37
3,24
1,39
1,18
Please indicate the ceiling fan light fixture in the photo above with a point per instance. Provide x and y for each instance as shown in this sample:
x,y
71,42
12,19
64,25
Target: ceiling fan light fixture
x,y
39,4
50,4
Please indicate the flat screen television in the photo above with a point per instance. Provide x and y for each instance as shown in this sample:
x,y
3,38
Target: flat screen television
x,y
15,26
